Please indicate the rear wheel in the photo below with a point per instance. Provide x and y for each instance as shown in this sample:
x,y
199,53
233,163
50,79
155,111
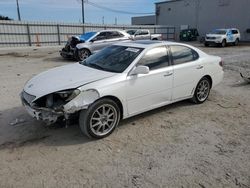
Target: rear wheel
x,y
202,91
101,119
206,44
82,54
236,42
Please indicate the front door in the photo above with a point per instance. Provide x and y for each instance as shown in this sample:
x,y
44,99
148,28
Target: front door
x,y
148,91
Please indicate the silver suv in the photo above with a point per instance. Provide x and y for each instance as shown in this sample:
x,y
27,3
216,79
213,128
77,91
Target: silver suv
x,y
81,47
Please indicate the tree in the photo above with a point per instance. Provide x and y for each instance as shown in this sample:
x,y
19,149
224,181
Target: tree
x,y
5,18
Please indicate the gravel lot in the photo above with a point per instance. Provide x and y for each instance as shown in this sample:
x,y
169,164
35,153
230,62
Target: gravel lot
x,y
182,145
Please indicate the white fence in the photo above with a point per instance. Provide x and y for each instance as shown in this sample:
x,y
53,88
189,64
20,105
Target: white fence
x,y
16,33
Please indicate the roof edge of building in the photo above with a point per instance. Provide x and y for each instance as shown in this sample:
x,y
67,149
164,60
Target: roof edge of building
x,y
172,1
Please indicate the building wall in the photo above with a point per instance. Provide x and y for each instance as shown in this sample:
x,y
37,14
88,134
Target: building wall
x,y
143,20
206,15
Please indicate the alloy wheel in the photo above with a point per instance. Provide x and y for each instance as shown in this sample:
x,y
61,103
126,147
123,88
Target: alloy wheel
x,y
203,90
103,120
83,54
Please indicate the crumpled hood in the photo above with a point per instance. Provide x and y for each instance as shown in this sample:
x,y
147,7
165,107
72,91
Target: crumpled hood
x,y
63,78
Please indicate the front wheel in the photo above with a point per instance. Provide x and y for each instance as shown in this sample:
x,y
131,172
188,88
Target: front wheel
x,y
202,91
224,43
100,119
82,54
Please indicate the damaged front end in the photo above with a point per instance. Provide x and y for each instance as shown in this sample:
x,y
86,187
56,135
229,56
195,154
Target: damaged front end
x,y
69,50
61,104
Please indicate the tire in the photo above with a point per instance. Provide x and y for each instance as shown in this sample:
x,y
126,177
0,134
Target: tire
x,y
236,43
100,119
224,43
206,44
82,54
202,91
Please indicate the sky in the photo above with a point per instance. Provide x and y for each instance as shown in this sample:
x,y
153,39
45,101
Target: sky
x,y
70,10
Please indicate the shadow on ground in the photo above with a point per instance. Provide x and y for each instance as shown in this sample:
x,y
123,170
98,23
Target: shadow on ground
x,y
18,129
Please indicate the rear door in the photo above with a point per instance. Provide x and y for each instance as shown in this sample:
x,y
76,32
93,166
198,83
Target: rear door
x,y
188,70
235,34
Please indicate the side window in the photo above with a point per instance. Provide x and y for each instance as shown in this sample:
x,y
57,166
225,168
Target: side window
x,y
143,32
182,54
155,58
235,32
114,34
101,36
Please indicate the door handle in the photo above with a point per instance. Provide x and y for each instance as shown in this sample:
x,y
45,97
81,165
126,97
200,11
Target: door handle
x,y
168,74
200,67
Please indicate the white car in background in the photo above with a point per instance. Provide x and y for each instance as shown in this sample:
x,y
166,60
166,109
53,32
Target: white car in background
x,y
143,34
223,37
121,81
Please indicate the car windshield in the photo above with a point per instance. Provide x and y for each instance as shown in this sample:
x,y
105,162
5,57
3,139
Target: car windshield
x,y
113,59
87,36
219,32
131,32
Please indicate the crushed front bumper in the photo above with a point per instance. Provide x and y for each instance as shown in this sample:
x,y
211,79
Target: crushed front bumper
x,y
47,115
66,54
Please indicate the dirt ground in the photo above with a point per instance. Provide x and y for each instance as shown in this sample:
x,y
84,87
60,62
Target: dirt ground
x,y
182,145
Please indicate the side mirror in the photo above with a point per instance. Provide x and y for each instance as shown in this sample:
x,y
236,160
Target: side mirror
x,y
92,40
140,70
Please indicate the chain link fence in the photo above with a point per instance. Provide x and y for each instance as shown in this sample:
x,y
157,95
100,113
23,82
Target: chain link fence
x,y
16,33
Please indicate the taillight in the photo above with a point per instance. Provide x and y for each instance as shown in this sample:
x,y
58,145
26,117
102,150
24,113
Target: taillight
x,y
221,63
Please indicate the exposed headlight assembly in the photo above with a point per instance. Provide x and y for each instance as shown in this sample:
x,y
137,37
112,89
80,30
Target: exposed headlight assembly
x,y
68,95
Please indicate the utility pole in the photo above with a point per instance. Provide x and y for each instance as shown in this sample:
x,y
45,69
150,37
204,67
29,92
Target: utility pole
x,y
103,20
83,18
18,11
115,20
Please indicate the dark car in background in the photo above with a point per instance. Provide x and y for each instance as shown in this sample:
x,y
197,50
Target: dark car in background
x,y
189,35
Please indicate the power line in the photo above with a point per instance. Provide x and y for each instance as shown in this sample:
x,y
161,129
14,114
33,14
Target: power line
x,y
114,10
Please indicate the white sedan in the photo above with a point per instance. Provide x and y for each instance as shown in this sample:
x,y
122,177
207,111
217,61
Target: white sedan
x,y
121,81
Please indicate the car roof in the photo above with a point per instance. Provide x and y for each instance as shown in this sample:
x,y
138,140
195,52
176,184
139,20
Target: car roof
x,y
146,43
227,29
110,30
